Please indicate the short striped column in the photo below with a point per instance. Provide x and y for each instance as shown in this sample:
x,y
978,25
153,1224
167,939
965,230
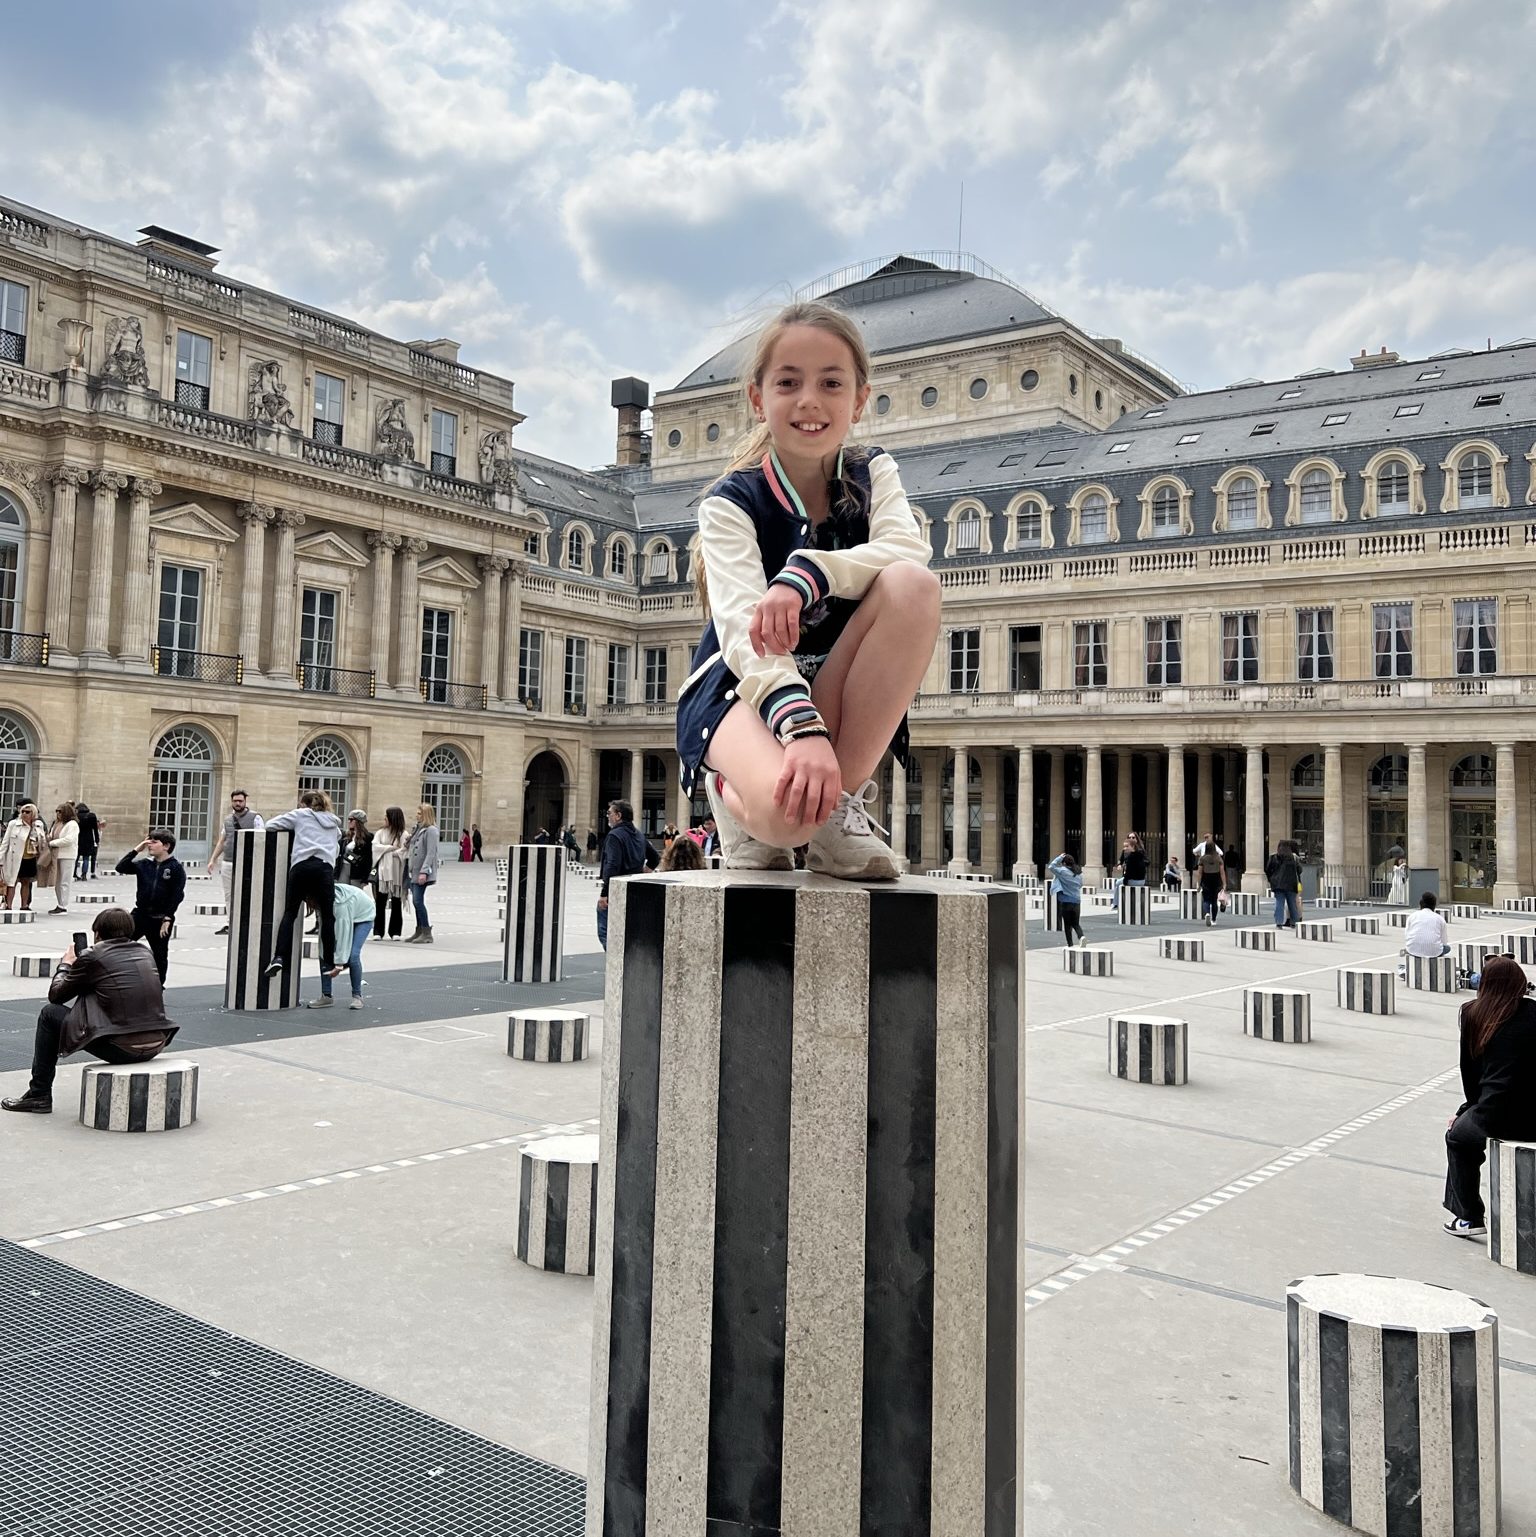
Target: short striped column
x,y
806,1315
1521,946
1512,1204
1255,939
209,910
1397,919
1366,991
33,965
1051,919
548,1035
158,1095
1135,905
1149,1048
1311,929
1243,904
1183,949
1462,910
1394,1405
534,948
1024,875
1357,925
1333,893
1278,1014
557,1201
1327,904
1471,953
94,899
1088,960
1520,904
1189,904
1431,973
258,888
20,915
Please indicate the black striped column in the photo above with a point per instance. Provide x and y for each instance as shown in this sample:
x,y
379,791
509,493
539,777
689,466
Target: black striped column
x,y
1088,960
1255,939
1190,904
1512,1204
1183,949
534,943
557,1203
33,965
1521,946
1431,973
94,899
258,887
1520,904
1135,905
807,1281
19,915
158,1095
1277,1014
1394,1405
1462,910
1471,953
1358,925
548,1035
1052,918
1365,991
1321,932
1397,919
1244,904
1149,1048
1328,904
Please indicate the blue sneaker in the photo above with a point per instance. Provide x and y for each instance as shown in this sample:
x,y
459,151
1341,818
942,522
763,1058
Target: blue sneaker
x,y
1459,1227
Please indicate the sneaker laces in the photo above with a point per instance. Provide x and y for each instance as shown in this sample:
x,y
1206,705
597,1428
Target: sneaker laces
x,y
853,808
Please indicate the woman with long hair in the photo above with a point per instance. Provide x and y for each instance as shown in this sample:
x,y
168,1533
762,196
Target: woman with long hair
x,y
1498,1077
421,858
388,874
21,845
64,840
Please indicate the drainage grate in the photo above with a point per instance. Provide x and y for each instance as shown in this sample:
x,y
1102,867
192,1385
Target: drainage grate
x,y
121,1417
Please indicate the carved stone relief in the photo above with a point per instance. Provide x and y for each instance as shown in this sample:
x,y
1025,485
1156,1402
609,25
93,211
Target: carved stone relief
x,y
269,395
496,466
124,362
392,438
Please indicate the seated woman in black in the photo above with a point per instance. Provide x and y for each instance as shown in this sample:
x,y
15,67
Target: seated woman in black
x,y
1498,1077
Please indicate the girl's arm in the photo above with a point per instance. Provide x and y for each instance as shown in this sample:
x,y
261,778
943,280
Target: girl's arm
x,y
283,820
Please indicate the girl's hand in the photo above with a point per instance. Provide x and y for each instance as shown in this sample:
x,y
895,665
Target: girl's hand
x,y
775,628
810,781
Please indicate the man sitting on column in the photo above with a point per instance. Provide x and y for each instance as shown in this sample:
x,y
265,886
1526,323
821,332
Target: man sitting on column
x,y
108,1002
242,818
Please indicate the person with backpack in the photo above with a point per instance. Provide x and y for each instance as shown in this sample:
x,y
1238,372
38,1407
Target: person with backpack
x,y
1284,875
1211,870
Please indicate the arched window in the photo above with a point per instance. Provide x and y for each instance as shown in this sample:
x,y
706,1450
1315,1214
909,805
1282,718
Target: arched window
x,y
442,788
12,544
968,532
1474,772
1308,773
1316,497
658,563
618,560
1474,481
576,550
16,776
1394,489
1389,774
181,789
1243,503
327,765
1165,512
1095,519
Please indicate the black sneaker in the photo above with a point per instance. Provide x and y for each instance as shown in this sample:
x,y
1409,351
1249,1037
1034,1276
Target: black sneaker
x,y
33,1104
1457,1227
224,930
273,968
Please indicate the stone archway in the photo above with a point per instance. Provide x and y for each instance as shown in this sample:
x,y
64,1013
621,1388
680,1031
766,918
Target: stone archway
x,y
545,793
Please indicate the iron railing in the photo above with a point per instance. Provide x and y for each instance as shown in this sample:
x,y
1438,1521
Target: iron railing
x,y
197,666
457,696
13,347
21,649
194,397
340,681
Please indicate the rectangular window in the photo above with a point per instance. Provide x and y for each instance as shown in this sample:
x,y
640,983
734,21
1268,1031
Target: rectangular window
x,y
1314,644
436,653
964,661
1243,503
1053,456
1261,429
1392,629
1239,648
1410,410
10,570
445,443
530,666
1432,373
1290,394
181,603
953,469
13,323
1476,638
1393,484
968,534
1024,658
1337,419
660,567
533,545
330,411
317,639
1474,481
575,674
1189,437
194,370
1090,654
1147,416
618,675
1484,401
1028,527
655,674
1165,653
1010,460
1118,448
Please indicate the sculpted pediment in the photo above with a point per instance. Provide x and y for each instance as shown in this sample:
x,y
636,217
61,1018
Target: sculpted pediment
x,y
447,572
330,548
191,521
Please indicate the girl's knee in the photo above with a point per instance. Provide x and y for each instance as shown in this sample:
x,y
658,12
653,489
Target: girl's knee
x,y
907,583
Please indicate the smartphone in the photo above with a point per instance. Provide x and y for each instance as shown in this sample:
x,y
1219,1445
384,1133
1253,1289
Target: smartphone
x,y
82,943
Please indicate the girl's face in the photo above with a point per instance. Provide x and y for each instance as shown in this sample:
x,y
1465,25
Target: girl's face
x,y
809,395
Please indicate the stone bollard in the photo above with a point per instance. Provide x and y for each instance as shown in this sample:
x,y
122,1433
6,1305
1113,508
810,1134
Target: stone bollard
x,y
33,965
808,1209
1521,946
1190,904
1471,953
94,899
1326,904
1149,1048
1462,910
1243,904
158,1095
1357,925
1088,961
1321,932
1277,1014
1394,1405
1183,949
209,910
1135,905
1366,991
1512,1204
258,888
1397,919
1431,973
1520,904
534,947
548,1035
1050,918
21,915
557,1203
1256,939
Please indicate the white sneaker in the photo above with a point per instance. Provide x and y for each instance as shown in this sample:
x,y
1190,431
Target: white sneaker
x,y
846,848
741,850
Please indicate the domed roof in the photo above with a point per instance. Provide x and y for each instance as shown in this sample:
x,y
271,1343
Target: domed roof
x,y
902,302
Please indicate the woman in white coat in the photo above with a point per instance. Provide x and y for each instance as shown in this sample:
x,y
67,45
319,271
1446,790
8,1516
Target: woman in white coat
x,y
21,845
64,840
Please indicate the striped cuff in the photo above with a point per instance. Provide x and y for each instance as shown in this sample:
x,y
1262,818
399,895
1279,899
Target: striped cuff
x,y
789,709
805,577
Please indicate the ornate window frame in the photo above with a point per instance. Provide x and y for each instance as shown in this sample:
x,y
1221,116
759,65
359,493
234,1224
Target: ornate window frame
x,y
583,567
1370,506
1075,509
1338,511
1148,495
1450,467
959,512
651,548
1222,522
616,541
1015,507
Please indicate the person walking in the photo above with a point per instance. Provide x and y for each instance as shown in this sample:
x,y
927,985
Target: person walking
x,y
21,846
625,852
571,846
241,817
1498,1078
64,840
1283,872
592,844
466,847
354,863
90,842
316,833
388,874
1066,878
1212,871
476,842
421,859
161,884
352,915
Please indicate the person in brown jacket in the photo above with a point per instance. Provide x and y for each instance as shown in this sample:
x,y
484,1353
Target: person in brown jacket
x,y
108,1002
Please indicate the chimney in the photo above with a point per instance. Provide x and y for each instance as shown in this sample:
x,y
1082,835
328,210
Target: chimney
x,y
182,248
1380,360
440,348
631,398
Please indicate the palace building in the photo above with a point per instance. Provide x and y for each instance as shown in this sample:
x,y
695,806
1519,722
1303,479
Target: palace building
x,y
245,543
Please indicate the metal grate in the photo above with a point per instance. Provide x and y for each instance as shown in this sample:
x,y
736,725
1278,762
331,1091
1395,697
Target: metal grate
x,y
121,1417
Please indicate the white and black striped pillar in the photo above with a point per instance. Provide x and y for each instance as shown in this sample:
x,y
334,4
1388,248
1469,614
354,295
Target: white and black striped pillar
x,y
1311,929
1149,1048
1397,919
1471,953
1255,939
557,1203
1462,910
805,1143
1277,1014
1183,949
1520,904
158,1095
1521,946
258,887
1051,918
1327,904
1358,925
1366,991
1190,904
35,965
548,1035
534,944
1394,1405
1431,973
1088,960
1135,905
1244,904
1512,1204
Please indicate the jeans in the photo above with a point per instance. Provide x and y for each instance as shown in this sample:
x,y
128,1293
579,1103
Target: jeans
x,y
419,902
312,880
146,926
1287,908
1210,894
602,927
51,1020
1068,915
1465,1147
386,906
354,963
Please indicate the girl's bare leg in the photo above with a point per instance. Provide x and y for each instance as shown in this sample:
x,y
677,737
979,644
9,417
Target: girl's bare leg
x,y
749,757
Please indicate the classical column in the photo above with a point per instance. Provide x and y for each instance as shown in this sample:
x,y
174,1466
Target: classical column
x,y
1154,797
898,810
960,840
1205,794
1253,824
135,636
1178,839
1418,807
1333,815
1093,816
491,568
636,784
1279,797
512,630
256,516
1123,761
933,811
683,815
105,484
408,656
383,546
1024,819
285,656
66,480
1507,830
1058,807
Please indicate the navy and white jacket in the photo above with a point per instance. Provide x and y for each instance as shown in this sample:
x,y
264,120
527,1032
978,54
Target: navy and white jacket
x,y
753,536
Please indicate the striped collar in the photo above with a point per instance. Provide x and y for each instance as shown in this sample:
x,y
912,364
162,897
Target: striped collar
x,y
783,488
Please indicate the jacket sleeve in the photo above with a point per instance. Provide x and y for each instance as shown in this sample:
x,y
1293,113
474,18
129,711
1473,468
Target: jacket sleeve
x,y
75,980
282,821
125,865
178,885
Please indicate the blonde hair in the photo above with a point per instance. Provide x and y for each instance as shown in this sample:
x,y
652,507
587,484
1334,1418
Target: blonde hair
x,y
315,800
754,444
426,815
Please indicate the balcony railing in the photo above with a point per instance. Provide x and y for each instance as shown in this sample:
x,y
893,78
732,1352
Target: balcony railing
x,y
638,709
457,696
340,681
197,666
21,649
182,417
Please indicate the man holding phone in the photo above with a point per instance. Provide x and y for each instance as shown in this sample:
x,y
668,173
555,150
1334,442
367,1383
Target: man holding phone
x,y
106,1000
162,885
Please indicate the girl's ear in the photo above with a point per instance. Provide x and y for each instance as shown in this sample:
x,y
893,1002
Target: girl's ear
x,y
755,396
861,402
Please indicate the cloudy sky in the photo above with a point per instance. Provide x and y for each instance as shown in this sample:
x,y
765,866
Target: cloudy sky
x,y
578,189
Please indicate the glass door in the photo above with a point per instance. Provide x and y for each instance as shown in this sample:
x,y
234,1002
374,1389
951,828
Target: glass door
x,y
436,653
317,639
1474,852
181,599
